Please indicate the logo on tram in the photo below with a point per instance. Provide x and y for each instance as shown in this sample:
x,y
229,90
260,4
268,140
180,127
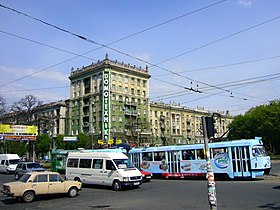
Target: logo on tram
x,y
221,160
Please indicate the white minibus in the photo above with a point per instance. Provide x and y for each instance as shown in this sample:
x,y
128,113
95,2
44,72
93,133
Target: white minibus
x,y
8,163
103,168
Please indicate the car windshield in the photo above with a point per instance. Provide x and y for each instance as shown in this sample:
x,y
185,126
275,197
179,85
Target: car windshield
x,y
33,165
259,151
123,163
24,178
14,161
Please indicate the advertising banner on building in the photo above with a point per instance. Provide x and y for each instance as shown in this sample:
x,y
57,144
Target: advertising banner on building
x,y
18,129
106,106
18,132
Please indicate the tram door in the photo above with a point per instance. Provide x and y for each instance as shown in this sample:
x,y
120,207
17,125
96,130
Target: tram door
x,y
241,161
173,161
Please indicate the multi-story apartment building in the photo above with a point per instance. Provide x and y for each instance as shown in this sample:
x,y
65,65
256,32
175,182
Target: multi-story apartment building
x,y
181,125
50,118
109,99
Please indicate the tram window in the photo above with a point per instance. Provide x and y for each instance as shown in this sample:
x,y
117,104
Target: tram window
x,y
188,155
219,150
147,156
199,154
159,156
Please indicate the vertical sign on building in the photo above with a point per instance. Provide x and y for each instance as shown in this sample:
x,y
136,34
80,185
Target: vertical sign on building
x,y
106,106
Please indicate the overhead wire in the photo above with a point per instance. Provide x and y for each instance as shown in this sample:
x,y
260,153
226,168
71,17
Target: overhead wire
x,y
113,42
139,59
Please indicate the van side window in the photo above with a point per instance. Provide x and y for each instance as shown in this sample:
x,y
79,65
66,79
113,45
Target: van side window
x,y
2,162
110,165
73,162
85,163
97,163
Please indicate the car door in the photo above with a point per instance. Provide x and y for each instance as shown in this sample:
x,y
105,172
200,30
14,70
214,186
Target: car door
x,y
40,184
56,184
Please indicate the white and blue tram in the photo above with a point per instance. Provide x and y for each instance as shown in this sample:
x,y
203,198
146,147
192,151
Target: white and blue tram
x,y
234,159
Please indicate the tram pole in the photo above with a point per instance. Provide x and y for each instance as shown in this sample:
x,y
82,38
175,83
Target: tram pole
x,y
211,186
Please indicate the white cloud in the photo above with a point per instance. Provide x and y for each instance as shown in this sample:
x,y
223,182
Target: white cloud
x,y
11,73
246,3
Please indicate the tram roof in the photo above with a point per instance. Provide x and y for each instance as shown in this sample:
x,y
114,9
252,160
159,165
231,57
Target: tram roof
x,y
241,142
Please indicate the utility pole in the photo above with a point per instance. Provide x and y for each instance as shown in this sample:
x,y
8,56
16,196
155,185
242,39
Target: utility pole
x,y
211,186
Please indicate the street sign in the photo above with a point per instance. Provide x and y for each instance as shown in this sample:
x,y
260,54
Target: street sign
x,y
110,141
119,141
70,138
100,141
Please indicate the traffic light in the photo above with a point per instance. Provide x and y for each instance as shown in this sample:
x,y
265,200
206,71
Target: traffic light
x,y
210,127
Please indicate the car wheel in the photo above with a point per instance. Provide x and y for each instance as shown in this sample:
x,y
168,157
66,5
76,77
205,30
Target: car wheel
x,y
28,196
73,191
117,185
16,176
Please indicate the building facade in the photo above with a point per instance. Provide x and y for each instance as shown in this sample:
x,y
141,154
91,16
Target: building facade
x,y
174,124
109,100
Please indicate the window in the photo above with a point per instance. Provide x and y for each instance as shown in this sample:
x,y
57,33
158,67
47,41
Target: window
x,y
41,178
120,78
159,156
97,163
85,163
120,119
188,155
110,165
72,162
54,178
147,156
199,154
126,79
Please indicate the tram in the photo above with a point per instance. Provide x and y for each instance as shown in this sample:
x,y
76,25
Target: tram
x,y
245,158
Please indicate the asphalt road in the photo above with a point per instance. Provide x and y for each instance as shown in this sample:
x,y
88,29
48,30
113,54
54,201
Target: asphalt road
x,y
262,193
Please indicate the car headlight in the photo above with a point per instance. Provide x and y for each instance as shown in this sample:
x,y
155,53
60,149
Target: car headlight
x,y
125,179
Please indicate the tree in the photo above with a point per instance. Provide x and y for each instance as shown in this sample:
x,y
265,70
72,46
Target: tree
x,y
84,141
2,106
43,145
262,121
24,109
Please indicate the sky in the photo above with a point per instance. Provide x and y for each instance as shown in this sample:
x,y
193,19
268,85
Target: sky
x,y
220,55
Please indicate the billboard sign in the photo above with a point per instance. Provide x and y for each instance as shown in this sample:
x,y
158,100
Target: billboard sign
x,y
18,129
106,106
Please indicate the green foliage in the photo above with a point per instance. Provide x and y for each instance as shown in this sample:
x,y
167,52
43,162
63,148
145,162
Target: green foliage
x,y
262,121
84,141
43,145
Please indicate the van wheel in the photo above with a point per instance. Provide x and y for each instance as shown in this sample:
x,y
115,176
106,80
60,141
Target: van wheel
x,y
16,176
28,196
117,185
77,179
73,191
8,172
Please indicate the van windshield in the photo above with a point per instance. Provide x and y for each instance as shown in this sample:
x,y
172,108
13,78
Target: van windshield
x,y
123,163
14,161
